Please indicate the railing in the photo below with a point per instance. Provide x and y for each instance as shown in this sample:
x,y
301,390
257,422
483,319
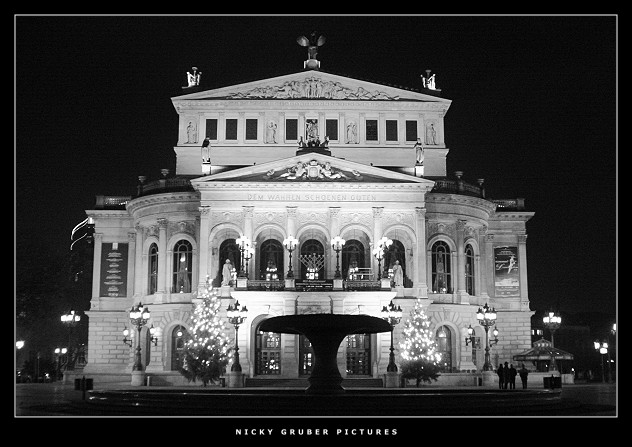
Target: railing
x,y
361,284
262,284
169,184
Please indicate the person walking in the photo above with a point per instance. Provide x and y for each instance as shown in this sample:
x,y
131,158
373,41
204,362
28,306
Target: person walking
x,y
501,376
524,373
506,377
512,377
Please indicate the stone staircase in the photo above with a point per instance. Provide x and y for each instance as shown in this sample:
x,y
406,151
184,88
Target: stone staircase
x,y
254,382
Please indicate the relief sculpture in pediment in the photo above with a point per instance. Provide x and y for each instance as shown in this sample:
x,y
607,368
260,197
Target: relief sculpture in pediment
x,y
312,88
313,170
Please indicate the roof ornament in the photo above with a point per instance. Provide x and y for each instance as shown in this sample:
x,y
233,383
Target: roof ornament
x,y
428,81
312,45
193,78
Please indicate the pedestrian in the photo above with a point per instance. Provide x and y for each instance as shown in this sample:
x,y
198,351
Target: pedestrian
x,y
506,377
501,376
512,377
524,372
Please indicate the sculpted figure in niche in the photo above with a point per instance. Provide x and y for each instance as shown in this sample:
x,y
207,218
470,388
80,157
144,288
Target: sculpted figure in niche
x,y
271,132
191,132
352,133
431,135
226,273
398,275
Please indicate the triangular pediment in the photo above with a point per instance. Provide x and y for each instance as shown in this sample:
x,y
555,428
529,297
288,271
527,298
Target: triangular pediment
x,y
311,84
313,167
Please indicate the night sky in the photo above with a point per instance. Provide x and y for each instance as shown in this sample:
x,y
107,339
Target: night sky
x,y
534,113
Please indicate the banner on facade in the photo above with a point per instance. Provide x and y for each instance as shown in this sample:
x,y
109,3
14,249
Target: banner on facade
x,y
506,271
114,269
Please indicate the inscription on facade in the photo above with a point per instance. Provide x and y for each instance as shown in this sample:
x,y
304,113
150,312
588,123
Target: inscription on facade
x,y
313,197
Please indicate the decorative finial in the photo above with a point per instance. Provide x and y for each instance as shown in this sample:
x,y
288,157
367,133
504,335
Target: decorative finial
x,y
193,78
312,45
428,81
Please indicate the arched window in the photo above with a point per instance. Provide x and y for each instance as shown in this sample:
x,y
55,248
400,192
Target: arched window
x,y
444,347
152,286
396,252
312,260
182,267
271,260
267,353
352,258
441,268
469,269
178,340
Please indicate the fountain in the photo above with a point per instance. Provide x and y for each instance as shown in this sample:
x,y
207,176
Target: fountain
x,y
325,332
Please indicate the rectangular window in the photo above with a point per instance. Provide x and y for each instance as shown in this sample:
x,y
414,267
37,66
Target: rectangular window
x,y
371,130
231,129
331,129
391,130
211,129
411,130
251,129
291,129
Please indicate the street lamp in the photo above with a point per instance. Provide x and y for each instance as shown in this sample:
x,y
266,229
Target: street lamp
x,y
487,318
58,353
393,315
602,348
378,252
71,319
337,243
236,316
243,242
552,322
247,255
290,243
138,315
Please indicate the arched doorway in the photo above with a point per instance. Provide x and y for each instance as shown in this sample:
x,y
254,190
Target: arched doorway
x,y
267,353
271,260
353,258
444,347
396,252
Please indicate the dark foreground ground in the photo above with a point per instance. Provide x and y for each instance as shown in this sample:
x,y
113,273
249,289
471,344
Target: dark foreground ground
x,y
123,400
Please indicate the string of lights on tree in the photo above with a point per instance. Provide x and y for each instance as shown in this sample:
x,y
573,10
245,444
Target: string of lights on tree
x,y
207,350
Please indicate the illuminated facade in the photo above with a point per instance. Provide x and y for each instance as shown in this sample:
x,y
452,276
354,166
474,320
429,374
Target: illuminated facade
x,y
310,155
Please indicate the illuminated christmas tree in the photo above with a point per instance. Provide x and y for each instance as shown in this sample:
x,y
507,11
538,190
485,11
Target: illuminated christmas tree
x,y
419,349
206,351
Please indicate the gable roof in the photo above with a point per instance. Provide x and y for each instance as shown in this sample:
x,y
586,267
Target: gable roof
x,y
312,84
311,167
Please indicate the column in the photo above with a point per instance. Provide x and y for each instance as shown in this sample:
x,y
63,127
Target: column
x,y
96,265
205,212
481,264
162,256
522,265
377,235
131,264
248,230
420,272
290,225
334,230
460,261
138,271
488,263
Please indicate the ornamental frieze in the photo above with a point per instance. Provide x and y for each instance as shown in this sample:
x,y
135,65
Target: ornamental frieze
x,y
312,170
312,217
312,88
227,216
182,227
433,228
354,218
269,217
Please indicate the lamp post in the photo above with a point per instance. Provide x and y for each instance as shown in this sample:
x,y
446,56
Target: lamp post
x,y
337,243
71,319
602,348
138,315
380,247
552,322
243,242
487,318
58,353
247,255
236,316
393,315
290,243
